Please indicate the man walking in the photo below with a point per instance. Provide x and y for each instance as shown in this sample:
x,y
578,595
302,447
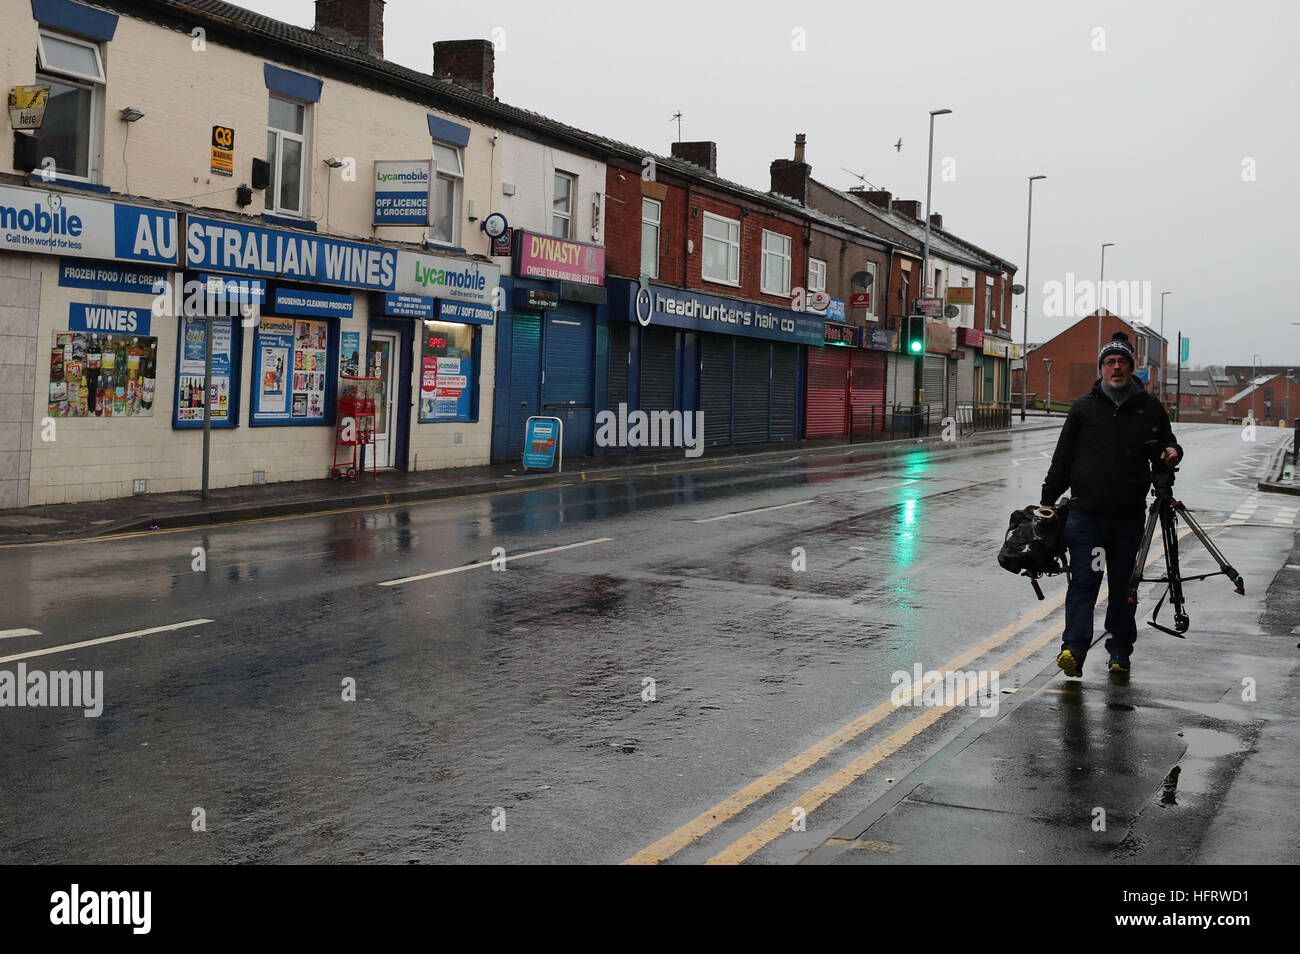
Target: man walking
x,y
1104,455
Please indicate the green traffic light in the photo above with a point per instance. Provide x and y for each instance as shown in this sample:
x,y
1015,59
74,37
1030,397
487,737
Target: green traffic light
x,y
916,346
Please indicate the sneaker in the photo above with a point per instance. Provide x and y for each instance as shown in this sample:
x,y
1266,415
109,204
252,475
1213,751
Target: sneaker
x,y
1119,665
1069,665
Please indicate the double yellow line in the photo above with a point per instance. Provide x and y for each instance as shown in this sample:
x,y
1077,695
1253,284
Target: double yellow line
x,y
779,823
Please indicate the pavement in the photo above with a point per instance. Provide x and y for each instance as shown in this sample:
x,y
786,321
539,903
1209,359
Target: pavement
x,y
232,504
1191,759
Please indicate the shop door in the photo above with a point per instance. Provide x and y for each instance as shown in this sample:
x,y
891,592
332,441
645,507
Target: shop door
x,y
385,356
828,374
785,395
753,387
950,402
568,377
525,380
715,388
867,390
932,384
658,369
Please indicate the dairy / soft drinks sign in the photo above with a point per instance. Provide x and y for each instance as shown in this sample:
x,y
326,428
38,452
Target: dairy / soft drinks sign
x,y
56,223
402,192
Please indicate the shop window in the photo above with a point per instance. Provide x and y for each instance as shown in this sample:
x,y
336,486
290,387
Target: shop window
x,y
447,186
102,375
448,372
286,154
816,275
776,263
651,214
295,373
227,351
566,186
71,130
721,260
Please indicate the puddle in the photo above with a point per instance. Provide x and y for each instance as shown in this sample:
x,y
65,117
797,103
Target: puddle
x,y
1194,774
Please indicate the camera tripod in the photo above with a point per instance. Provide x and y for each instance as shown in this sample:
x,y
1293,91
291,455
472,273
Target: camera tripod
x,y
1167,510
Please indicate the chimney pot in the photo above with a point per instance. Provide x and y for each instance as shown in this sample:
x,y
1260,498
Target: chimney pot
x,y
799,141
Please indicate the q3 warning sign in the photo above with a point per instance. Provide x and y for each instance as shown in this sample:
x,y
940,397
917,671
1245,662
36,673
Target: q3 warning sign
x,y
223,151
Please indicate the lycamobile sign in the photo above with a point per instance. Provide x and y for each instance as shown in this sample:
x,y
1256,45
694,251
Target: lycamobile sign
x,y
402,192
60,224
274,253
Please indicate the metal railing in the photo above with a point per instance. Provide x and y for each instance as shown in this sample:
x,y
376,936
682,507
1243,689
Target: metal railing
x,y
892,422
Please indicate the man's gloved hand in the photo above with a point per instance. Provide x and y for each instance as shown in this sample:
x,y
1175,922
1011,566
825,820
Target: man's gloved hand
x,y
1170,456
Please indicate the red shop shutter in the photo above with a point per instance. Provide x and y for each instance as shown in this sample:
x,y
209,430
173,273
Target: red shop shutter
x,y
828,373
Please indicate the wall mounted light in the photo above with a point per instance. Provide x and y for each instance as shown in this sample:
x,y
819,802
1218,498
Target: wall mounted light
x,y
334,162
130,114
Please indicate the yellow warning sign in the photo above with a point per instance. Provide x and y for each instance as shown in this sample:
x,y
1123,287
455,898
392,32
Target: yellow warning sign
x,y
223,150
27,105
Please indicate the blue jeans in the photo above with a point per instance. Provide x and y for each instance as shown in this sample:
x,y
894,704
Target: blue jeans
x,y
1119,538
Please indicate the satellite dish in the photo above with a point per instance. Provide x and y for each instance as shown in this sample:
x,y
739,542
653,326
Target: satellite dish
x,y
862,279
951,311
1017,289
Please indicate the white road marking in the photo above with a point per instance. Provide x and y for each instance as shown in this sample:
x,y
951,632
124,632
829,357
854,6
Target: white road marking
x,y
872,490
8,633
743,513
104,639
479,563
1293,566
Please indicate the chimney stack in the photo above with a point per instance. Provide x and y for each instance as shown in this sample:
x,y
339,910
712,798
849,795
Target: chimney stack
x,y
470,63
791,178
877,197
936,220
700,153
356,23
908,207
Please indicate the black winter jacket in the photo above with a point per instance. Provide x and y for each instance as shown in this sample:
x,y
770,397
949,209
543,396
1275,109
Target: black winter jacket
x,y
1104,453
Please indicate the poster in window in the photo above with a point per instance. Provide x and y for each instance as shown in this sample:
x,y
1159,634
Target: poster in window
x,y
190,370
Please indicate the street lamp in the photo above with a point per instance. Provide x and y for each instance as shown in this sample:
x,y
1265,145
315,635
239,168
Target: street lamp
x,y
918,375
1254,384
1029,222
1048,362
1101,286
1164,346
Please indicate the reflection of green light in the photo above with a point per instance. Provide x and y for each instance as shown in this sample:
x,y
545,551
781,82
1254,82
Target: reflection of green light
x,y
905,542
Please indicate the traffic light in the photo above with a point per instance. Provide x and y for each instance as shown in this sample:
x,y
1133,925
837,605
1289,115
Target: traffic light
x,y
913,337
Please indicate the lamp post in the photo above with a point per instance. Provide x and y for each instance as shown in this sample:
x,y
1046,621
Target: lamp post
x,y
1164,346
1254,384
1048,362
1029,223
1101,285
918,376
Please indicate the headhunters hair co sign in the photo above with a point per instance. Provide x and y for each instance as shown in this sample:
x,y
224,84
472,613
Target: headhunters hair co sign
x,y
292,256
679,308
56,223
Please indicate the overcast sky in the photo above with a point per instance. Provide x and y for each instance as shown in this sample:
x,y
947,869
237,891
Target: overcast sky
x,y
1145,117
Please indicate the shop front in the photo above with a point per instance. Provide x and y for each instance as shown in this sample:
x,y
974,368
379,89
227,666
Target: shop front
x,y
739,363
940,372
547,360
123,306
845,382
994,380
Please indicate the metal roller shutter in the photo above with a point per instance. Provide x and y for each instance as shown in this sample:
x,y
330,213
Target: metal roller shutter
x,y
867,390
785,397
525,379
715,388
933,383
753,385
568,377
828,372
617,365
658,369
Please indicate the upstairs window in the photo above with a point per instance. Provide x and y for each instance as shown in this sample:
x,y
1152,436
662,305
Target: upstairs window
x,y
562,205
651,214
70,134
447,189
721,260
776,263
816,275
286,154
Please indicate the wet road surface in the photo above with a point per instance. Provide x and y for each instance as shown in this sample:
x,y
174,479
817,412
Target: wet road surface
x,y
630,663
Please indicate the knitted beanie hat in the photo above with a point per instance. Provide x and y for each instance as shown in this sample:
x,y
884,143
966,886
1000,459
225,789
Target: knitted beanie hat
x,y
1118,344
